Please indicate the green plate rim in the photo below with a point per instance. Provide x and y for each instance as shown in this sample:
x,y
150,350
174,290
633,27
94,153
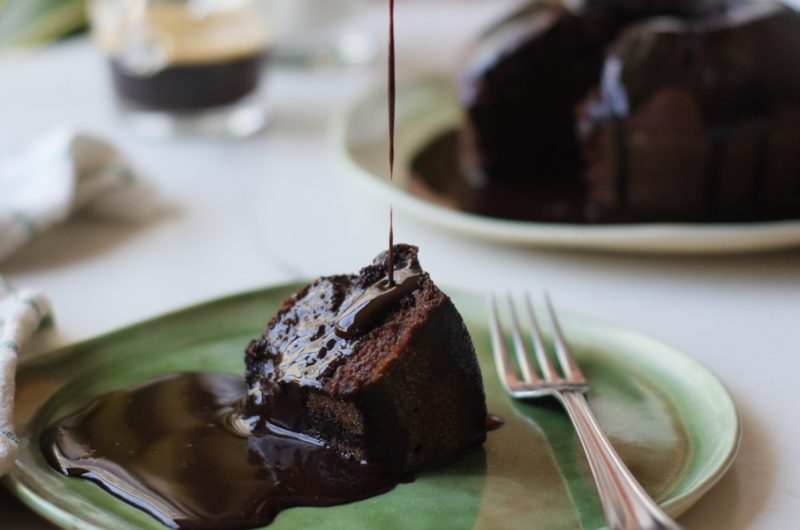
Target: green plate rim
x,y
674,506
676,238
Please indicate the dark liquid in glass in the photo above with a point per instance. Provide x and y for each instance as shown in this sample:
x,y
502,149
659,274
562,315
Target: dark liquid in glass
x,y
189,87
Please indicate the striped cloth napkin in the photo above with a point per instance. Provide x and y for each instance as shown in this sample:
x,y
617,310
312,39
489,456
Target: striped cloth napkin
x,y
42,185
21,313
66,172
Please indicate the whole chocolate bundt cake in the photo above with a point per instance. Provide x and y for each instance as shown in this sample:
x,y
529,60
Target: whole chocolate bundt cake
x,y
629,110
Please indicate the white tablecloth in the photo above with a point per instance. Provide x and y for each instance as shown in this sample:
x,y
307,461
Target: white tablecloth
x,y
275,207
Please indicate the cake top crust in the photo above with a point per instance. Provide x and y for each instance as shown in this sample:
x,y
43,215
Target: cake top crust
x,y
735,64
325,322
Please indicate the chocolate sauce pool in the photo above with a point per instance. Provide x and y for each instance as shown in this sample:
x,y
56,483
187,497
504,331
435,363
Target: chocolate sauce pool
x,y
172,448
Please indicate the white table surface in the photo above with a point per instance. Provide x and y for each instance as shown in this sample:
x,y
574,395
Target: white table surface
x,y
239,215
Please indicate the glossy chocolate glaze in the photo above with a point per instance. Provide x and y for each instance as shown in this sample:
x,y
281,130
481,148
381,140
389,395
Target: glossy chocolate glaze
x,y
172,448
306,346
518,92
337,310
691,116
187,87
319,328
699,119
375,302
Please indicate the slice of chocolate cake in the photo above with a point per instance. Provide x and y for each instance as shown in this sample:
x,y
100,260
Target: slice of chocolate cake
x,y
386,373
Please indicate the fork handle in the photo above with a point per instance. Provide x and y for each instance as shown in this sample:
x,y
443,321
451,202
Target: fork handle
x,y
626,505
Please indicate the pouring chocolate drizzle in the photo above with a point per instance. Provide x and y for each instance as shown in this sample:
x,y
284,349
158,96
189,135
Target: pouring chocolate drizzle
x,y
382,296
392,97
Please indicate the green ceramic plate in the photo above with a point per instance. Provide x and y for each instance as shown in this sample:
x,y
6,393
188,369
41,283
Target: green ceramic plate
x,y
429,106
671,420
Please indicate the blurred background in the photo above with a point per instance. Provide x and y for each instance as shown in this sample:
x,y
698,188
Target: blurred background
x,y
161,194
37,22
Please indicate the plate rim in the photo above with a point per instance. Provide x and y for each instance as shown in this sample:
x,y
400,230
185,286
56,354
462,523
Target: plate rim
x,y
674,506
679,504
631,238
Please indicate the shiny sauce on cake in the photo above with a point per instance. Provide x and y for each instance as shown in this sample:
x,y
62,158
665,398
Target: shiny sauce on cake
x,y
311,344
375,301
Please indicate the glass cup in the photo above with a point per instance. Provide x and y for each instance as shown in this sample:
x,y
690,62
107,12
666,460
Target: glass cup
x,y
186,65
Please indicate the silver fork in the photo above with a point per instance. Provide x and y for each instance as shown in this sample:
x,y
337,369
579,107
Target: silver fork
x,y
626,505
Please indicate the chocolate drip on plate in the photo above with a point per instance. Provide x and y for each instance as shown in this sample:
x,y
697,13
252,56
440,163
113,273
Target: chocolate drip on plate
x,y
172,449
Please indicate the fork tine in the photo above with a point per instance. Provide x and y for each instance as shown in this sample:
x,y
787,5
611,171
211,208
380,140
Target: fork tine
x,y
501,359
529,374
545,363
568,364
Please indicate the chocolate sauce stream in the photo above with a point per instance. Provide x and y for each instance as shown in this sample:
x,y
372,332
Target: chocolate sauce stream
x,y
392,97
390,255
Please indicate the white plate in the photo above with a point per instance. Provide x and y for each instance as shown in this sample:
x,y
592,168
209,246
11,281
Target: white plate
x,y
429,106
